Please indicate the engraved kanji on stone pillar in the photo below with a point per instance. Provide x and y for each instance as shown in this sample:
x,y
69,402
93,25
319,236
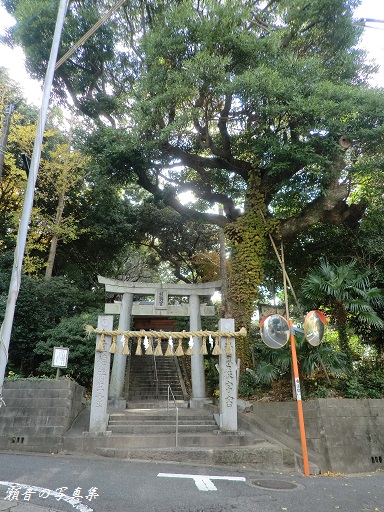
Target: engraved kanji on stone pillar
x,y
99,417
228,380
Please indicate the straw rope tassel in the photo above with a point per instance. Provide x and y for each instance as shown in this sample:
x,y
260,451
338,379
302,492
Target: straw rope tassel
x,y
113,349
126,346
179,351
149,351
203,349
139,352
190,351
162,334
216,349
228,348
169,351
158,351
100,343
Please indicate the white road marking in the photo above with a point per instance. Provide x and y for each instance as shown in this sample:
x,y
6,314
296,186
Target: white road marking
x,y
204,482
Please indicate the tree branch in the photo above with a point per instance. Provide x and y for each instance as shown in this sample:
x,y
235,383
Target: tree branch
x,y
199,163
170,200
331,209
222,125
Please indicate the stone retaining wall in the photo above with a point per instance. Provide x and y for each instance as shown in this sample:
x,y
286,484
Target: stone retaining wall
x,y
346,434
38,412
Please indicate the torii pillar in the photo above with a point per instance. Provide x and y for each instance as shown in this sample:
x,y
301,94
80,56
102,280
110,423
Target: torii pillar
x,y
116,385
197,360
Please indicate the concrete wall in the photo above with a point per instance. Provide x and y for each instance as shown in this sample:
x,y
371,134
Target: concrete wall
x,y
343,435
37,413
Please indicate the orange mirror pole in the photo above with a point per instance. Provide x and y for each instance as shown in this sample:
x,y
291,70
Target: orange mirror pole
x,y
299,401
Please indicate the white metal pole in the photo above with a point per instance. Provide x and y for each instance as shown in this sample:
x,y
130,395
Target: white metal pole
x,y
14,287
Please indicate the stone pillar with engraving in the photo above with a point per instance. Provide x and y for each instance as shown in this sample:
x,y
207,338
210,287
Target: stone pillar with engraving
x,y
99,402
228,381
197,360
116,386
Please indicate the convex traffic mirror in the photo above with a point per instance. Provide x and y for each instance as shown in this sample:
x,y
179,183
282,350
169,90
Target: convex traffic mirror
x,y
274,330
314,327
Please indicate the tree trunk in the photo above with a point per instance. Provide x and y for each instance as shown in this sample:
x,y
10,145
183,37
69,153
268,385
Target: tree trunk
x,y
4,135
248,236
341,325
226,310
55,238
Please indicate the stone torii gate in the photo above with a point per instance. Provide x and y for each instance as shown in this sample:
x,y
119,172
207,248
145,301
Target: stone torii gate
x,y
111,341
161,308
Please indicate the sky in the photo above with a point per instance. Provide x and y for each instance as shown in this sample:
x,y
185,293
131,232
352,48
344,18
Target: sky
x,y
373,41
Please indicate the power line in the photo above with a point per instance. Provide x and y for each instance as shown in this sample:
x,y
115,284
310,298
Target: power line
x,y
363,23
89,33
371,20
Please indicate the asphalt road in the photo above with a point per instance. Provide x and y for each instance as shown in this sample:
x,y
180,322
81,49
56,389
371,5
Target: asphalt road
x,y
35,483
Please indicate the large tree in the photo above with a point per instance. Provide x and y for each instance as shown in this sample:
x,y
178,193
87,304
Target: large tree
x,y
261,107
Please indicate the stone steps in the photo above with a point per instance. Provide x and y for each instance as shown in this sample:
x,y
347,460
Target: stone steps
x,y
150,442
185,439
144,429
144,422
143,415
262,456
141,377
149,403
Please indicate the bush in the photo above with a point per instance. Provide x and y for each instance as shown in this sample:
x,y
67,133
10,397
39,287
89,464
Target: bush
x,y
247,385
70,333
367,381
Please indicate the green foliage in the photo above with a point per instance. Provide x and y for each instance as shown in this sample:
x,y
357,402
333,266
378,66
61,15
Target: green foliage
x,y
173,238
346,291
14,376
41,305
367,381
70,333
248,385
274,364
211,375
202,97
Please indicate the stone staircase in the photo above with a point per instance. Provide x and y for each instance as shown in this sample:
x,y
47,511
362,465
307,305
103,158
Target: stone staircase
x,y
141,381
161,421
146,429
150,434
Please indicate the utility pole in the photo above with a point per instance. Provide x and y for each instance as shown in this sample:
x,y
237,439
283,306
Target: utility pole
x,y
14,287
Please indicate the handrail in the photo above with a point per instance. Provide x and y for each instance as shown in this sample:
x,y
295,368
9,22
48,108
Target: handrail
x,y
177,414
155,377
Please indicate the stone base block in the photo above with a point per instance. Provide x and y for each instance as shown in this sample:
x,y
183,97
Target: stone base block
x,y
199,403
117,403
